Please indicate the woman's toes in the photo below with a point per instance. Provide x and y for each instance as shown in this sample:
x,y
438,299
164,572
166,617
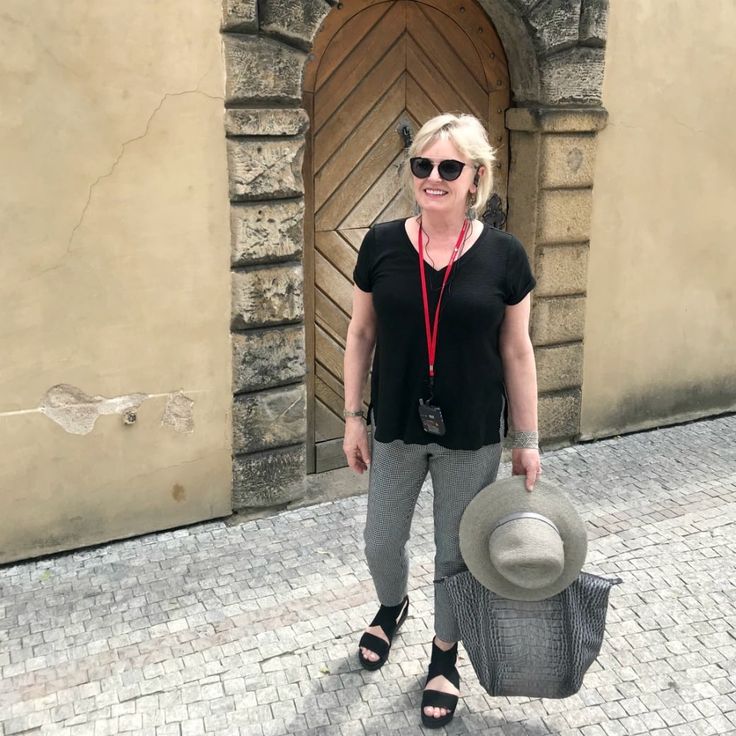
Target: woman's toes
x,y
369,655
434,712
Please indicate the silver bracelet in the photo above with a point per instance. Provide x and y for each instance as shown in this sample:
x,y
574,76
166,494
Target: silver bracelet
x,y
346,414
525,440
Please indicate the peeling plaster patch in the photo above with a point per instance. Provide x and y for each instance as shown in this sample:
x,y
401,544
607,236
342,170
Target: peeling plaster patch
x,y
178,413
76,412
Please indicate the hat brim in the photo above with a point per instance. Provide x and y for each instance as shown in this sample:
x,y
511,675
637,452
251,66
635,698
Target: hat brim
x,y
508,496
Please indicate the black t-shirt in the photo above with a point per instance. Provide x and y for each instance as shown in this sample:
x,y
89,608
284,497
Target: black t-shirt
x,y
468,384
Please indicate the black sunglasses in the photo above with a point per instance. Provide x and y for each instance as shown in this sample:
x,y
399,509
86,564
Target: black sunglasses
x,y
449,169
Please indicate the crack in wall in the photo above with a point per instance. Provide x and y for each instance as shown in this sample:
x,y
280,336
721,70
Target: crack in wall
x,y
127,143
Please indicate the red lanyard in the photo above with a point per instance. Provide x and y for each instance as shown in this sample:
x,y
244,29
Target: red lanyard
x,y
431,332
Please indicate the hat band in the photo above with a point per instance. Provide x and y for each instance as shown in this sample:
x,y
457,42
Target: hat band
x,y
525,515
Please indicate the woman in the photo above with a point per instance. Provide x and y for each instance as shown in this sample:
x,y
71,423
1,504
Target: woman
x,y
451,338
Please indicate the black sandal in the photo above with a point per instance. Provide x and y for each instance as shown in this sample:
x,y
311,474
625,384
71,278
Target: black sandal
x,y
386,619
441,663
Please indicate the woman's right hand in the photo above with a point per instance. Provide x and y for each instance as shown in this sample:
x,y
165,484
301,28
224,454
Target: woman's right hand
x,y
355,444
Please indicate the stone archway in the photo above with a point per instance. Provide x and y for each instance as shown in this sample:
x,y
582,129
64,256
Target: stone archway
x,y
555,50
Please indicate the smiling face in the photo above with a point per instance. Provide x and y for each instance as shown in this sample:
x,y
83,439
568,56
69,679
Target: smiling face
x,y
436,195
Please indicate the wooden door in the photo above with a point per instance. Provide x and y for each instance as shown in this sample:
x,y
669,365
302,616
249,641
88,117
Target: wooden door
x,y
376,69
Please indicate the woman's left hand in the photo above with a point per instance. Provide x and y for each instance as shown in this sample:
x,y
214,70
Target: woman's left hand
x,y
526,462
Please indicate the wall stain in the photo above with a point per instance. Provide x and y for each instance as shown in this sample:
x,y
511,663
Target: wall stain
x,y
178,493
574,159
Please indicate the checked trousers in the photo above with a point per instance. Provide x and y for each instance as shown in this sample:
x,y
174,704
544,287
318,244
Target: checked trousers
x,y
397,473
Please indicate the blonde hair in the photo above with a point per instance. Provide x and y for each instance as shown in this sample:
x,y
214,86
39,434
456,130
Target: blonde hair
x,y
469,136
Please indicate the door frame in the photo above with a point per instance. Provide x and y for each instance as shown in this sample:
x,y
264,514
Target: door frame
x,y
556,64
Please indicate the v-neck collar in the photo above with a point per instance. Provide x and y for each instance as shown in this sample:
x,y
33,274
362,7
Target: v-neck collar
x,y
462,255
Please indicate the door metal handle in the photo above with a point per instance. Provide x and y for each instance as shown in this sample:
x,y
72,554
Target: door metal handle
x,y
404,130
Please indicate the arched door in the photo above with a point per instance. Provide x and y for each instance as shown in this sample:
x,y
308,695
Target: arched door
x,y
378,71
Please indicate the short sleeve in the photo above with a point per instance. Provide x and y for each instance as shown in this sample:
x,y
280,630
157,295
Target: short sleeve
x,y
363,273
519,278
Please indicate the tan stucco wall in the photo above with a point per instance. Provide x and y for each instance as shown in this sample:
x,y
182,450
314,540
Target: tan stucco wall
x,y
661,307
115,267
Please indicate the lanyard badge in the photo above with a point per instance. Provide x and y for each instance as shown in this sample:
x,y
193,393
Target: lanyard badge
x,y
430,414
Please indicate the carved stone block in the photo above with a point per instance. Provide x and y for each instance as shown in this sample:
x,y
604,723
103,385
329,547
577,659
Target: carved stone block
x,y
269,478
558,320
240,16
564,215
561,270
262,70
295,22
268,419
267,296
267,231
567,161
269,357
266,122
559,416
262,169
594,22
572,76
559,367
555,23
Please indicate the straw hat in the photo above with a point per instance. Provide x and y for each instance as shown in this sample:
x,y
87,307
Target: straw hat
x,y
521,545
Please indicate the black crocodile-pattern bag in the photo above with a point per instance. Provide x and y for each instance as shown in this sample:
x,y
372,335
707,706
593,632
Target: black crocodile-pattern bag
x,y
540,649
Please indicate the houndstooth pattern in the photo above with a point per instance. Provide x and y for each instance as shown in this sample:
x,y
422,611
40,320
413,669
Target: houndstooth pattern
x,y
398,471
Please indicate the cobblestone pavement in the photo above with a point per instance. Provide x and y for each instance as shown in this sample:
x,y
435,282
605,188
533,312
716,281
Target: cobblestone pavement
x,y
252,628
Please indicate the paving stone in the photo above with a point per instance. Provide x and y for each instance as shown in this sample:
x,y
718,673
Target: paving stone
x,y
251,628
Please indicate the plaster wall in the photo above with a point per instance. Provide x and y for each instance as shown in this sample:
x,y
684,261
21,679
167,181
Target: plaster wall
x,y
661,306
115,282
